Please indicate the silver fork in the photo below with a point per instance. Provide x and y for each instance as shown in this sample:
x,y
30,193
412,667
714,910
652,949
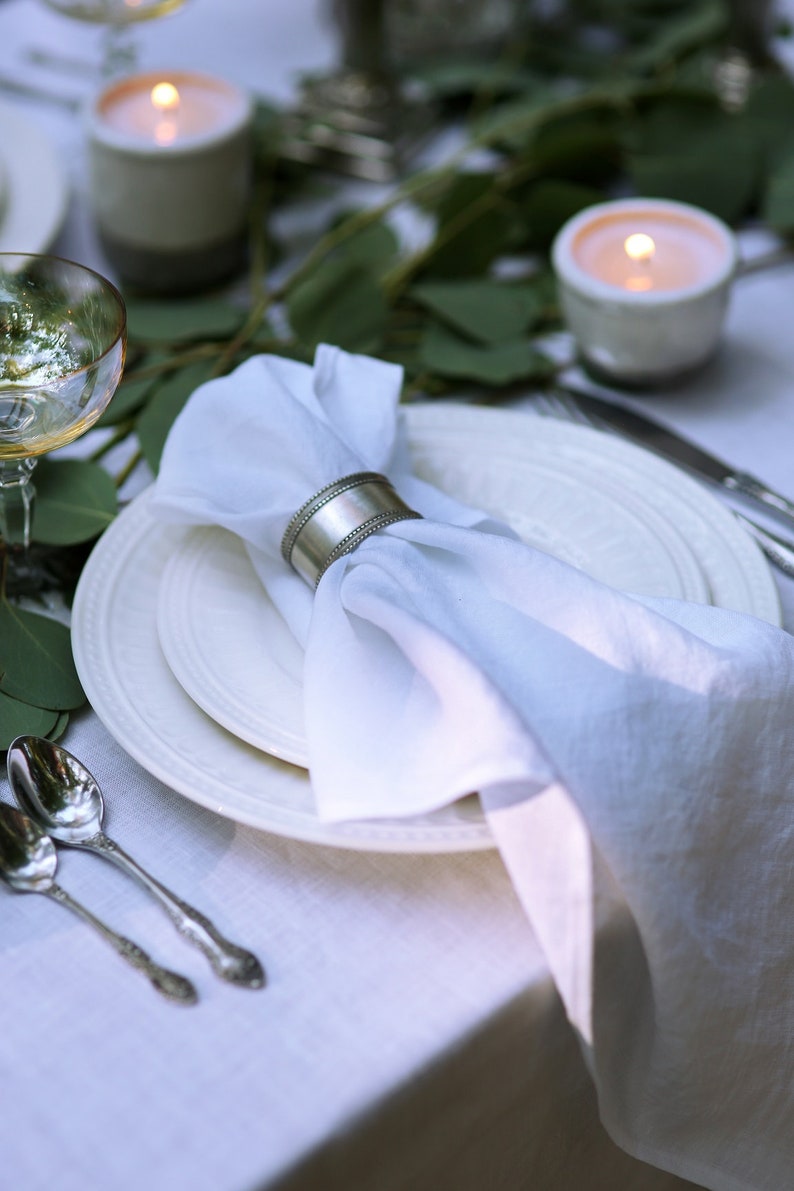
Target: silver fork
x,y
564,407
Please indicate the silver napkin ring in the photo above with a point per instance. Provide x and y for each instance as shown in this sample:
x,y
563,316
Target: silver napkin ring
x,y
337,519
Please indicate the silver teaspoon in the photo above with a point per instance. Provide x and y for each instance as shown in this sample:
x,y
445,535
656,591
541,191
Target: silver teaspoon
x,y
28,863
59,792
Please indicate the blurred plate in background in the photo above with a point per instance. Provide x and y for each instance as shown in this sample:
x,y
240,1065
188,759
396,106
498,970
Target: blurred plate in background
x,y
34,193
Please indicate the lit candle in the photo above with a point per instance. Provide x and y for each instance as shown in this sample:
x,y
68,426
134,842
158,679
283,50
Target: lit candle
x,y
644,286
170,178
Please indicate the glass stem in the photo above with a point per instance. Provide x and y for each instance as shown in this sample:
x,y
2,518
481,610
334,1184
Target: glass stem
x,y
119,50
16,501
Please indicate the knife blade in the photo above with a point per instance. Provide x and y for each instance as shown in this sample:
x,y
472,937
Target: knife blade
x,y
649,433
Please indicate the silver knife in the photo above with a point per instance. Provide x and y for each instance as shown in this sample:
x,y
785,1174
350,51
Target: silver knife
x,y
652,434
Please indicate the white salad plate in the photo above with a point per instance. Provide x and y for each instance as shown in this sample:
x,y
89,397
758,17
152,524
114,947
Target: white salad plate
x,y
514,464
35,192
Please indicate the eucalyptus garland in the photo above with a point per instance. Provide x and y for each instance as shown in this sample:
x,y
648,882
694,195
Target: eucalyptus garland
x,y
601,97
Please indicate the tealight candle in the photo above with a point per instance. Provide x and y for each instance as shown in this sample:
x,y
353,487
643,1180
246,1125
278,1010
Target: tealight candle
x,y
644,286
169,157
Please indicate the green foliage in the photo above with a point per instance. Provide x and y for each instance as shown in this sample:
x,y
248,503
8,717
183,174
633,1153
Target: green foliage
x,y
550,203
75,501
170,322
696,25
341,303
778,203
167,400
486,311
37,665
476,223
692,150
18,718
449,355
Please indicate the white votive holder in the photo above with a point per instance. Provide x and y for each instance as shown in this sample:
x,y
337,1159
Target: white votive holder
x,y
644,286
170,178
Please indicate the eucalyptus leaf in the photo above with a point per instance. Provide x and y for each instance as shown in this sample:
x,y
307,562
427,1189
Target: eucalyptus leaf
x,y
339,303
59,727
373,247
552,202
36,661
680,34
75,501
128,398
179,320
768,117
777,207
486,311
513,124
267,131
697,153
584,146
446,79
134,390
165,403
18,719
475,225
496,364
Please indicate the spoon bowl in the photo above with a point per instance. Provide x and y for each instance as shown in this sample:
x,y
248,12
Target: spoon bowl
x,y
54,788
28,860
28,863
60,793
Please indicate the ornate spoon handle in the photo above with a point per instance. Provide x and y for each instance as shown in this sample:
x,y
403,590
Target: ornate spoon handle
x,y
170,984
229,961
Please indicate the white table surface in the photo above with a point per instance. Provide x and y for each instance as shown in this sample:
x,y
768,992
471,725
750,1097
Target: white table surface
x,y
410,1037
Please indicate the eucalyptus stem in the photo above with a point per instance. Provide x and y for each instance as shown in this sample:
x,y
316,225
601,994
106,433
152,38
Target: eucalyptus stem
x,y
259,241
175,361
396,280
122,431
419,183
259,295
126,471
358,221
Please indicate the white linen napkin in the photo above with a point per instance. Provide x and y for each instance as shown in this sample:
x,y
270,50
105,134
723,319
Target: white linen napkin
x,y
635,757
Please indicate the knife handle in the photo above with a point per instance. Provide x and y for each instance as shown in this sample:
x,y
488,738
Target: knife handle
x,y
747,485
777,549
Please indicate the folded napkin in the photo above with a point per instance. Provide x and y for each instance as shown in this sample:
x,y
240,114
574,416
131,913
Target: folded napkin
x,y
634,756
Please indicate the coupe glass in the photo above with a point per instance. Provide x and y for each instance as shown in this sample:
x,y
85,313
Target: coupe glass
x,y
118,50
63,334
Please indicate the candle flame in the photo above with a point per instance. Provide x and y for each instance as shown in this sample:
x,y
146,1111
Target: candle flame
x,y
639,247
165,101
164,97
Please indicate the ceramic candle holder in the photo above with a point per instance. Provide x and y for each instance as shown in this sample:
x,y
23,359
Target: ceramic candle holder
x,y
170,165
644,286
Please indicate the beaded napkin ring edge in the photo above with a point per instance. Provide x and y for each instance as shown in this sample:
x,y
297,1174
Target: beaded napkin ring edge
x,y
337,519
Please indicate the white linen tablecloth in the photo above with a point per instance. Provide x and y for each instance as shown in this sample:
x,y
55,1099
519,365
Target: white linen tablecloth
x,y
410,1037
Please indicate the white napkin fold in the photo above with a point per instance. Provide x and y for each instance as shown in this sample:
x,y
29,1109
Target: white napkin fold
x,y
634,756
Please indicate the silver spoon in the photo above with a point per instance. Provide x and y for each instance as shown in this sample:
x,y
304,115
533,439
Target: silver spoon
x,y
28,862
57,790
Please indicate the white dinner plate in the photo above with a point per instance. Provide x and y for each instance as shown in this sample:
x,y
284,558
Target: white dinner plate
x,y
234,655
35,189
133,691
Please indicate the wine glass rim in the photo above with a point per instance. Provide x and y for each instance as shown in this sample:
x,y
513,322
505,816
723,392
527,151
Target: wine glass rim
x,y
121,323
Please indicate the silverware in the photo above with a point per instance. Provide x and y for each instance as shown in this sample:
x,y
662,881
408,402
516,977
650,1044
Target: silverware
x,y
44,94
664,441
570,407
28,863
59,792
778,550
